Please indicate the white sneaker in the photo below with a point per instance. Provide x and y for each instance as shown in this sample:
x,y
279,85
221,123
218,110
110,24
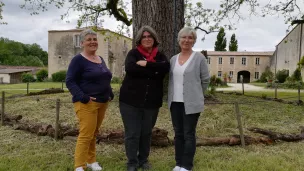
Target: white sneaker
x,y
94,166
176,168
183,169
79,169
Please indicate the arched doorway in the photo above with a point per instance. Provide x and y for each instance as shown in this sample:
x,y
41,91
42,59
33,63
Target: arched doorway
x,y
246,76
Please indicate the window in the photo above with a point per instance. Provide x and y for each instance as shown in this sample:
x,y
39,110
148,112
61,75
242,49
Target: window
x,y
219,73
220,60
256,75
257,61
208,60
243,60
231,74
231,60
77,40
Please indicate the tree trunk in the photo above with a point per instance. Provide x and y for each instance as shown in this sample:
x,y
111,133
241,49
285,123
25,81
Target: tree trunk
x,y
160,15
159,136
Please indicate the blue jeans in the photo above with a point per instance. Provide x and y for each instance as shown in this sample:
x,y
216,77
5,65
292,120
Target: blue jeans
x,y
185,134
138,124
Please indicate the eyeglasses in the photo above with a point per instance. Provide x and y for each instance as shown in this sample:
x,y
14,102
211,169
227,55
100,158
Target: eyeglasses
x,y
147,37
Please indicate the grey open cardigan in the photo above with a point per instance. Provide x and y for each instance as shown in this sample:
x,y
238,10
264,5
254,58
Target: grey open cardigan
x,y
196,80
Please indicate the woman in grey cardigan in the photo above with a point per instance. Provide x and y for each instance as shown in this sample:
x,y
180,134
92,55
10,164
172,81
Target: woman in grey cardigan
x,y
188,80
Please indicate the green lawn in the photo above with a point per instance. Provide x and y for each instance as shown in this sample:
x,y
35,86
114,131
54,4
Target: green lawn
x,y
280,94
259,84
24,151
14,89
37,85
34,85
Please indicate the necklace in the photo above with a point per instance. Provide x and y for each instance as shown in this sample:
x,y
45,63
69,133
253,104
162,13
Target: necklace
x,y
94,58
182,61
185,56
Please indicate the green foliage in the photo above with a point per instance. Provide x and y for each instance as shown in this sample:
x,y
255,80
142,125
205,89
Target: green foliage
x,y
116,80
212,89
42,75
215,81
266,75
221,42
282,75
1,17
19,54
291,85
233,45
301,63
296,76
218,81
200,17
59,76
264,96
26,77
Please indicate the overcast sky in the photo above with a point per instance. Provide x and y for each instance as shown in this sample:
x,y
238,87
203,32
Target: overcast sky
x,y
253,34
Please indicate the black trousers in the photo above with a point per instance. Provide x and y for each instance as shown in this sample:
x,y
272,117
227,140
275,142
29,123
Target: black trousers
x,y
185,135
138,124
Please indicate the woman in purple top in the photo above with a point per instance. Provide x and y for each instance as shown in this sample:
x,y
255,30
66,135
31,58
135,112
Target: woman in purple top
x,y
88,80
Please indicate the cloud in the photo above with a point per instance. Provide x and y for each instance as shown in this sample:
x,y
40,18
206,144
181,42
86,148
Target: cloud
x,y
30,29
255,34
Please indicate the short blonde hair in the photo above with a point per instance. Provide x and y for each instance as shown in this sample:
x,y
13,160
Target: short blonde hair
x,y
147,29
187,31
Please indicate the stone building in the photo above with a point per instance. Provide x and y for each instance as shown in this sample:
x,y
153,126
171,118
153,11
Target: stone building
x,y
289,51
231,65
63,45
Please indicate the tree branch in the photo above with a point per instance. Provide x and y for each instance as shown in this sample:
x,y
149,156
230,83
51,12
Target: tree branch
x,y
286,6
207,32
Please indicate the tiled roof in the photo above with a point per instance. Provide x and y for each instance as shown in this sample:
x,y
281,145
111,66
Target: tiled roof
x,y
223,53
18,67
81,29
10,71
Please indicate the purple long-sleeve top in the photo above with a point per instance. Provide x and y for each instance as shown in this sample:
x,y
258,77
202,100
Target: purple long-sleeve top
x,y
87,79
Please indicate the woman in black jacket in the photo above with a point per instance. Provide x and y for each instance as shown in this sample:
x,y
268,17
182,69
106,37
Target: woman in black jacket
x,y
141,96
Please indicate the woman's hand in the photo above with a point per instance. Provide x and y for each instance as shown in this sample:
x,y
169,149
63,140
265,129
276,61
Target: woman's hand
x,y
92,98
142,63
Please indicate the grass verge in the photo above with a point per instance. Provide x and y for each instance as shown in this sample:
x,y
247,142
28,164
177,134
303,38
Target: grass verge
x,y
24,151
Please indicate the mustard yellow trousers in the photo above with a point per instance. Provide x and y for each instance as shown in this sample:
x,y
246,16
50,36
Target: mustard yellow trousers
x,y
90,117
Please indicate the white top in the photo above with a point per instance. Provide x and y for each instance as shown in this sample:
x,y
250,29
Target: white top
x,y
178,79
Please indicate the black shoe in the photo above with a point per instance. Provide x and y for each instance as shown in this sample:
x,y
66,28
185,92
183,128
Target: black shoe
x,y
146,166
132,168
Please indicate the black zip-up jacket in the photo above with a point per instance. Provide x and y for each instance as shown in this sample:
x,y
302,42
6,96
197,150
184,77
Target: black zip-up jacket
x,y
143,86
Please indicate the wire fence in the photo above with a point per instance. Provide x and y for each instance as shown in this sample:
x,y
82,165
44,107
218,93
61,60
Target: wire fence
x,y
58,103
274,90
27,88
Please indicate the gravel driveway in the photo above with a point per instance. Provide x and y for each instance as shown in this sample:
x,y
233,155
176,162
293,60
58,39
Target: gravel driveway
x,y
248,87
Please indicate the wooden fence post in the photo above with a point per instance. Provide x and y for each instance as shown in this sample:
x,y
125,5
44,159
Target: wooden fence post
x,y
27,87
62,84
299,93
242,80
2,105
240,126
57,119
275,90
